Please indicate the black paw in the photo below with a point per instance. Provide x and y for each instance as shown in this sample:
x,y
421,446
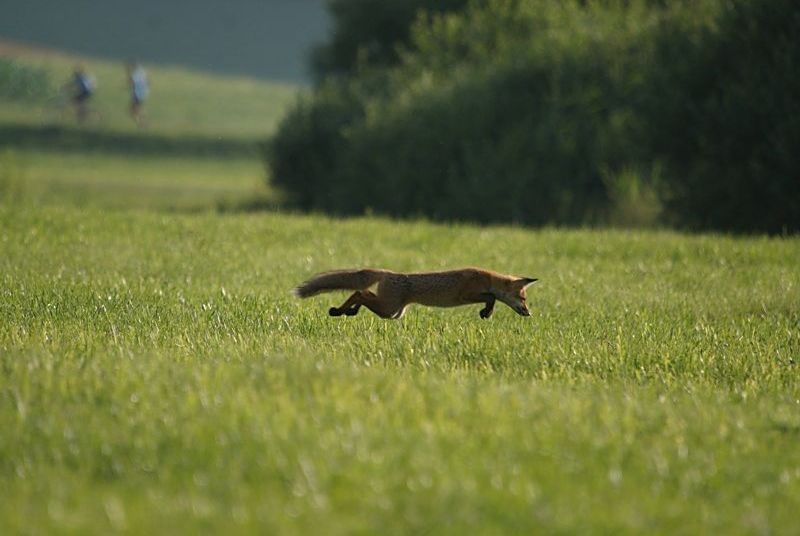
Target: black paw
x,y
351,312
333,311
485,313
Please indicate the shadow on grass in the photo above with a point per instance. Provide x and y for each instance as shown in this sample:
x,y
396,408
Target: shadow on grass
x,y
65,138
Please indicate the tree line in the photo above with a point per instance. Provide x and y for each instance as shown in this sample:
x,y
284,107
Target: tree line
x,y
581,112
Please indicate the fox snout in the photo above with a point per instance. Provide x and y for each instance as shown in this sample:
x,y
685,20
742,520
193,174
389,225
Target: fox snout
x,y
522,310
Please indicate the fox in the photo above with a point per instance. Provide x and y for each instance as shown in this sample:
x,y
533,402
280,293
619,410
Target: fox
x,y
395,291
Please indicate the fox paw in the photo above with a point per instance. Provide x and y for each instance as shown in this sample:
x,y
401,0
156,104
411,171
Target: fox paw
x,y
333,311
485,313
351,312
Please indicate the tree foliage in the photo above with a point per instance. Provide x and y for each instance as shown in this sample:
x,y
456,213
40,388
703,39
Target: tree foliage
x,y
560,113
370,32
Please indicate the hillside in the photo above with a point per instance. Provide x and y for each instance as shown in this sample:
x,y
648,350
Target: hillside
x,y
197,150
181,101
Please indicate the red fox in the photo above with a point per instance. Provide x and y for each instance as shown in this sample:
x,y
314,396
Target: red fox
x,y
395,291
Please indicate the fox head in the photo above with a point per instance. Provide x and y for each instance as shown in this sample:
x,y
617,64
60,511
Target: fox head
x,y
512,293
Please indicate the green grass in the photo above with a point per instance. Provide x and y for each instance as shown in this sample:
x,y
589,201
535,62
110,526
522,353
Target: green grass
x,y
158,377
199,149
114,181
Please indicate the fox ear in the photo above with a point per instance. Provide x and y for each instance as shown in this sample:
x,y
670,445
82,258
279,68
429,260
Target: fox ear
x,y
526,281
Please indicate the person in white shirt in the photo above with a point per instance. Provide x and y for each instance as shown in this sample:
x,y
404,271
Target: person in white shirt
x,y
137,79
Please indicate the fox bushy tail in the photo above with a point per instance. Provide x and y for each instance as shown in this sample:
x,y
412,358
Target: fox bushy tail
x,y
338,280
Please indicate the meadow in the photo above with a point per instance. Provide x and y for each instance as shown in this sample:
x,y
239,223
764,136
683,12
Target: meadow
x,y
156,375
199,147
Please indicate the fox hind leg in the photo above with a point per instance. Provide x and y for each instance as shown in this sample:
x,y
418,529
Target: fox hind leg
x,y
349,308
334,311
381,307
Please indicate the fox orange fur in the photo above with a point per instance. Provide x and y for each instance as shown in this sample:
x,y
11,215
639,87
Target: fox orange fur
x,y
395,290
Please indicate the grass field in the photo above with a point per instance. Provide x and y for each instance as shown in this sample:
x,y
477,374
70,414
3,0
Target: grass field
x,y
152,181
199,149
156,376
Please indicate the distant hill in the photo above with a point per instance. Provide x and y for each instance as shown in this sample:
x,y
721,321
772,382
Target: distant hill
x,y
268,39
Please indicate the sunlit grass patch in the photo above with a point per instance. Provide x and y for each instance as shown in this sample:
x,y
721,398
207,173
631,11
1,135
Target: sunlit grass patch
x,y
158,376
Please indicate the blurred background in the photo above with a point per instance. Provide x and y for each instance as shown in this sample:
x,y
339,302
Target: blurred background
x,y
632,114
268,39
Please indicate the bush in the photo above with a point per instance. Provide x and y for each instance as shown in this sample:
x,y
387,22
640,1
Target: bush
x,y
500,115
725,117
565,113
22,82
369,33
303,154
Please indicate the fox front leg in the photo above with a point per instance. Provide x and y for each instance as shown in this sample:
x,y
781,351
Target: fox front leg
x,y
487,311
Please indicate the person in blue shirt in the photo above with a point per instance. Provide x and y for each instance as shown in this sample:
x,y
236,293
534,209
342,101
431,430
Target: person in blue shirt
x,y
82,87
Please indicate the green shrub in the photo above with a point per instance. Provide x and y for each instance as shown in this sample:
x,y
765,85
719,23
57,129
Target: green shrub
x,y
501,115
304,152
560,113
23,82
725,117
370,33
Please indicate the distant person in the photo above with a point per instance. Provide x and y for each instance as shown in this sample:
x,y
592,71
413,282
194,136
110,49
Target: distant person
x,y
137,80
82,88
